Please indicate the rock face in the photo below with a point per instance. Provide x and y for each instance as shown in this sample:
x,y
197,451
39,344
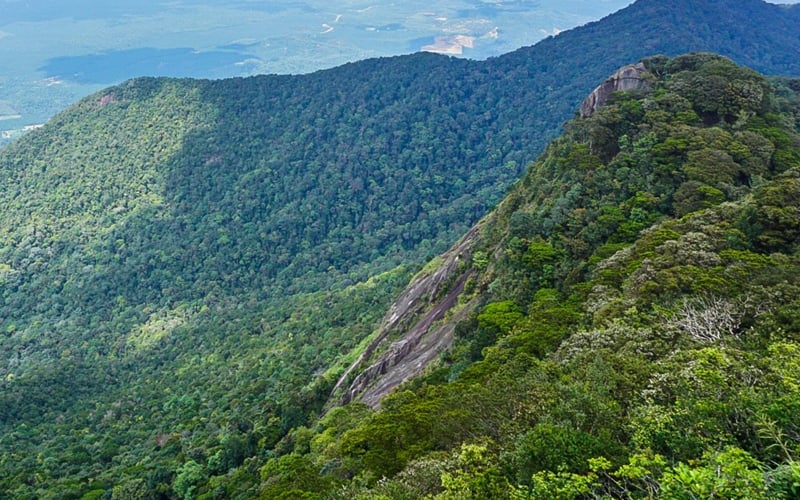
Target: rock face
x,y
423,319
416,317
630,77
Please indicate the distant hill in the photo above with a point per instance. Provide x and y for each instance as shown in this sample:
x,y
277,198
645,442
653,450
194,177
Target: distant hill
x,y
187,267
90,46
566,67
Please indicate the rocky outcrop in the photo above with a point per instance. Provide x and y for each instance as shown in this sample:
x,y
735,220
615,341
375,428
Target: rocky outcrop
x,y
630,77
423,319
413,317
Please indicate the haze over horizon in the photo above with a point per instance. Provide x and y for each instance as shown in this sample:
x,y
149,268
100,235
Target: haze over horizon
x,y
51,54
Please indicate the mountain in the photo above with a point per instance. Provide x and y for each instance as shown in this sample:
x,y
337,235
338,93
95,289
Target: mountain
x,y
566,67
91,46
188,268
622,325
739,30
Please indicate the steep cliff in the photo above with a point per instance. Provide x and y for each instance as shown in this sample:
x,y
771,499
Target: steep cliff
x,y
630,77
412,334
420,323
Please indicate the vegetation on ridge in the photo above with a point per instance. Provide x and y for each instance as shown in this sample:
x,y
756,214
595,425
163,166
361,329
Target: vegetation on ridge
x,y
638,332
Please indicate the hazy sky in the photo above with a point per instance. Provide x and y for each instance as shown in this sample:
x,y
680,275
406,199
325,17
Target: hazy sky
x,y
277,36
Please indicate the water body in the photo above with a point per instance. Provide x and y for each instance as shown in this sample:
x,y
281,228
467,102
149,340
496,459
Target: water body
x,y
111,67
493,9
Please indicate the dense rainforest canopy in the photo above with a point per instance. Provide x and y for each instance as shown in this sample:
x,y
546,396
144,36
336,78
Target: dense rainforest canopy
x,y
187,267
636,332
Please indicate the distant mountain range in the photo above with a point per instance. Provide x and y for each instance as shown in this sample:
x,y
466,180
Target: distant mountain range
x,y
54,53
188,267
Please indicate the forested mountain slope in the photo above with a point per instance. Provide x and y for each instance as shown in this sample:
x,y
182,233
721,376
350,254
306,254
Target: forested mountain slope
x,y
186,267
631,324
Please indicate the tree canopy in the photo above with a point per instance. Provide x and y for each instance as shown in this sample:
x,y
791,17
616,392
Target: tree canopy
x,y
187,267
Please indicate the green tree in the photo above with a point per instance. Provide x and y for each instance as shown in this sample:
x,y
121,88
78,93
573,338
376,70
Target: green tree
x,y
728,474
187,478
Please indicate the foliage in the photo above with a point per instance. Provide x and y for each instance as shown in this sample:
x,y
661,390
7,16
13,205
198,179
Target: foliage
x,y
187,266
634,334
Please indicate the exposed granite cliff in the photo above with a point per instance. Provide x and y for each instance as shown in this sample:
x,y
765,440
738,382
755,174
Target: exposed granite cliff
x,y
414,318
423,319
630,77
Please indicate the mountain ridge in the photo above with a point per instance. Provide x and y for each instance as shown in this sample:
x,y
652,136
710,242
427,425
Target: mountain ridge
x,y
613,331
